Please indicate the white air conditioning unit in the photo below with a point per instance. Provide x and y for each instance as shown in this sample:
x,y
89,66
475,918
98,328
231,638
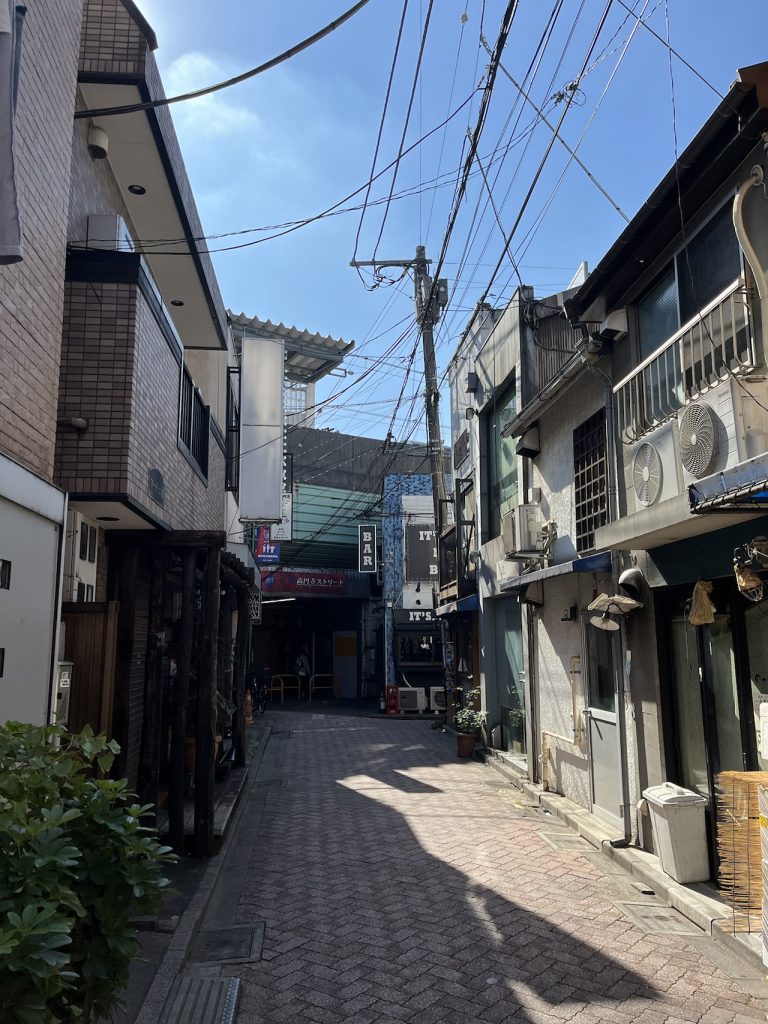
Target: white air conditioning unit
x,y
108,231
436,699
522,531
724,427
412,698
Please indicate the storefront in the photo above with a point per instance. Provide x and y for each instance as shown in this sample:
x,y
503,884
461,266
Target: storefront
x,y
714,675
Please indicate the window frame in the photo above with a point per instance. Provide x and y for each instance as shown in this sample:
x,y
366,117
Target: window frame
x,y
492,518
193,436
590,508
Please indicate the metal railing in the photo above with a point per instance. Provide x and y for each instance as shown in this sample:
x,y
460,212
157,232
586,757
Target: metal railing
x,y
716,344
194,416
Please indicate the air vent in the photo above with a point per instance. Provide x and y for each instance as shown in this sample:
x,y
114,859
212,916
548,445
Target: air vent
x,y
698,438
647,474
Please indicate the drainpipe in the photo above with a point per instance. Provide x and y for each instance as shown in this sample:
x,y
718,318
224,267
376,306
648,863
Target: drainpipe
x,y
621,681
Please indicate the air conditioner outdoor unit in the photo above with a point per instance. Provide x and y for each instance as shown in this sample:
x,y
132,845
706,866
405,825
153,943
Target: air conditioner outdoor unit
x,y
436,699
108,231
724,427
521,530
412,698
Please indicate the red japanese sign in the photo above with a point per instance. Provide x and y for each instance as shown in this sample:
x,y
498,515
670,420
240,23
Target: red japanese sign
x,y
312,582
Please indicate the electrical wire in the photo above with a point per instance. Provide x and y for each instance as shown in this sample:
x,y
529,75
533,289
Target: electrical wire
x,y
381,130
165,101
400,152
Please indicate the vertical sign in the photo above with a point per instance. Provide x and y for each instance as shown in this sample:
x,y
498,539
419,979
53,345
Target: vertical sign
x,y
421,553
261,430
264,548
366,548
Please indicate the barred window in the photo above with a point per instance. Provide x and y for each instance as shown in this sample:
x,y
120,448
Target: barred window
x,y
590,479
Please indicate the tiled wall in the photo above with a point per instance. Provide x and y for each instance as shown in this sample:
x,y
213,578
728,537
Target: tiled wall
x,y
111,39
120,374
392,551
32,292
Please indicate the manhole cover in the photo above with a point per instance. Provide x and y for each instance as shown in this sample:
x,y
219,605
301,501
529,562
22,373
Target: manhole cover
x,y
658,920
236,944
565,841
202,1001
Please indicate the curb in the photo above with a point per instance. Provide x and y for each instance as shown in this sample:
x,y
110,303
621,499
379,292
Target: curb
x,y
700,904
176,955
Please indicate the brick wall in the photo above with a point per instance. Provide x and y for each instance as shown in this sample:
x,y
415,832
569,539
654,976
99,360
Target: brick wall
x,y
119,373
111,39
32,292
94,189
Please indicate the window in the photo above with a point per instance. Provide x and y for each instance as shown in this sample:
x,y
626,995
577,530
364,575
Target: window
x,y
502,462
698,274
92,543
83,541
590,479
2,661
5,574
194,417
80,591
89,592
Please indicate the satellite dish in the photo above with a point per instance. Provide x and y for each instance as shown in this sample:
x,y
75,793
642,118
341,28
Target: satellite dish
x,y
604,622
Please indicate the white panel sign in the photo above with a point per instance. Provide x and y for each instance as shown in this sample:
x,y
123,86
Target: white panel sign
x,y
284,529
261,430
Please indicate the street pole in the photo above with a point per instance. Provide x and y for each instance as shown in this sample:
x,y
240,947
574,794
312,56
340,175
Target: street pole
x,y
431,297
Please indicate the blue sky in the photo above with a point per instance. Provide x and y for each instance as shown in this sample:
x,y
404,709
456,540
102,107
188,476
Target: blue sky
x,y
295,140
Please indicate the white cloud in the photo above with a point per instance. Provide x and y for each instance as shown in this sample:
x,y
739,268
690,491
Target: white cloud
x,y
209,117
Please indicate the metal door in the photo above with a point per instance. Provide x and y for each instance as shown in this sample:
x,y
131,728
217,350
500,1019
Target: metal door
x,y
605,780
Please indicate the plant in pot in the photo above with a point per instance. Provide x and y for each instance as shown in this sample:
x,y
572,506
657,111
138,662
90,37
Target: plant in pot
x,y
468,720
516,726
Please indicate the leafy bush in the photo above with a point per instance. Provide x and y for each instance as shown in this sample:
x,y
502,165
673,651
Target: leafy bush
x,y
75,865
467,719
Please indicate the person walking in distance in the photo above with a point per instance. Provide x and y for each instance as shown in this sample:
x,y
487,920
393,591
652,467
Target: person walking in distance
x,y
303,672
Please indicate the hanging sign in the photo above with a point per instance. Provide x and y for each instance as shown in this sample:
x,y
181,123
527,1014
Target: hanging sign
x,y
264,548
366,548
421,553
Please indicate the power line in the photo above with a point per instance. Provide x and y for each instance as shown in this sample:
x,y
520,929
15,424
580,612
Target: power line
x,y
165,101
381,129
400,153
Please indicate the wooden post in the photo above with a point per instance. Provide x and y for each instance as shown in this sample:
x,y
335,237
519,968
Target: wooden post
x,y
206,717
127,569
241,666
180,696
151,746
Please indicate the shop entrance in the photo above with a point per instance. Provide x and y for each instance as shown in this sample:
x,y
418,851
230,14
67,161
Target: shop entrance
x,y
600,650
719,674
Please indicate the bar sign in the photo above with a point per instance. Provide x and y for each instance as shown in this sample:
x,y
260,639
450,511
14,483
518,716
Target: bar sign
x,y
366,548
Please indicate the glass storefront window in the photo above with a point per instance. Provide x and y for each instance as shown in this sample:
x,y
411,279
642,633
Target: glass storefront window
x,y
600,676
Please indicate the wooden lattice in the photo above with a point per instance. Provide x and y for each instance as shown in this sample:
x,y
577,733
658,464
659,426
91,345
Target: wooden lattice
x,y
738,845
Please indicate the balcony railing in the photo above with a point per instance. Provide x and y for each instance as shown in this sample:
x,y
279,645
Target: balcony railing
x,y
194,417
715,345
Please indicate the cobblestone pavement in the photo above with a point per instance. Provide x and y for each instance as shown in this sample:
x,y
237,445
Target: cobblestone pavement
x,y
400,884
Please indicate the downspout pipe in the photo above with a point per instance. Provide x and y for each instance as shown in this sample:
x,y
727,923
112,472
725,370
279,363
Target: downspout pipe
x,y
621,680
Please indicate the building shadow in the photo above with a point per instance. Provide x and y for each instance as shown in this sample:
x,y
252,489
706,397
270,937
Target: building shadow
x,y
378,908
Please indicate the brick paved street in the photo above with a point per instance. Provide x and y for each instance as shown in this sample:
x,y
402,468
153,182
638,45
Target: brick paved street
x,y
399,884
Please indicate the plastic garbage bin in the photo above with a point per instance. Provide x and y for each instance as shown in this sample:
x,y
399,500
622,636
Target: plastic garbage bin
x,y
679,825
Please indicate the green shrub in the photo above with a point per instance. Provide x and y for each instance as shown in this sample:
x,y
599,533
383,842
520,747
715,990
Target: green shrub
x,y
75,865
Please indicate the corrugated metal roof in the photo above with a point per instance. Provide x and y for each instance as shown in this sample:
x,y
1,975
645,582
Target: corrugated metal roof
x,y
308,356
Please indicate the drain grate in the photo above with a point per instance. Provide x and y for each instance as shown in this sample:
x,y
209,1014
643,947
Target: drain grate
x,y
565,841
202,1001
658,920
233,945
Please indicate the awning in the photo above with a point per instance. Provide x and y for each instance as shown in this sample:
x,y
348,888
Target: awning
x,y
308,356
743,488
470,603
601,562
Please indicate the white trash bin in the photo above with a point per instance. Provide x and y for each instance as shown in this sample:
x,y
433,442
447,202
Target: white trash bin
x,y
680,831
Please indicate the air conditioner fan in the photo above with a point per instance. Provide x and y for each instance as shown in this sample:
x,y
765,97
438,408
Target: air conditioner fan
x,y
698,438
647,474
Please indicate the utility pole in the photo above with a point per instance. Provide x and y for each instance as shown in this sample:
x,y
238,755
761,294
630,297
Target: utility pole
x,y
431,299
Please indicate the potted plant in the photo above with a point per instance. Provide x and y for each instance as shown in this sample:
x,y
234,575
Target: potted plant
x,y
468,720
516,725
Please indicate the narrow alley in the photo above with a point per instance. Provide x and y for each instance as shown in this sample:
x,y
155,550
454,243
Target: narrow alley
x,y
397,883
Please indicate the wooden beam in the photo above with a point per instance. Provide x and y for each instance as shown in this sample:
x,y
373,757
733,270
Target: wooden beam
x,y
206,717
241,666
151,745
179,698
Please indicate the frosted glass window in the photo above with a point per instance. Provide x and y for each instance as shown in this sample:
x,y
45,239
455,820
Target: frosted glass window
x,y
657,313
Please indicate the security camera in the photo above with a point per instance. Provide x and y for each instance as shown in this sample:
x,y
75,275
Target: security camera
x,y
98,142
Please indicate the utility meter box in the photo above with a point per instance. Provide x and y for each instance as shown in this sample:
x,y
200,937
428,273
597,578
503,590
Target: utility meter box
x,y
679,826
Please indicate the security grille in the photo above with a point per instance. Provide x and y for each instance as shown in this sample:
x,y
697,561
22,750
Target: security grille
x,y
590,479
